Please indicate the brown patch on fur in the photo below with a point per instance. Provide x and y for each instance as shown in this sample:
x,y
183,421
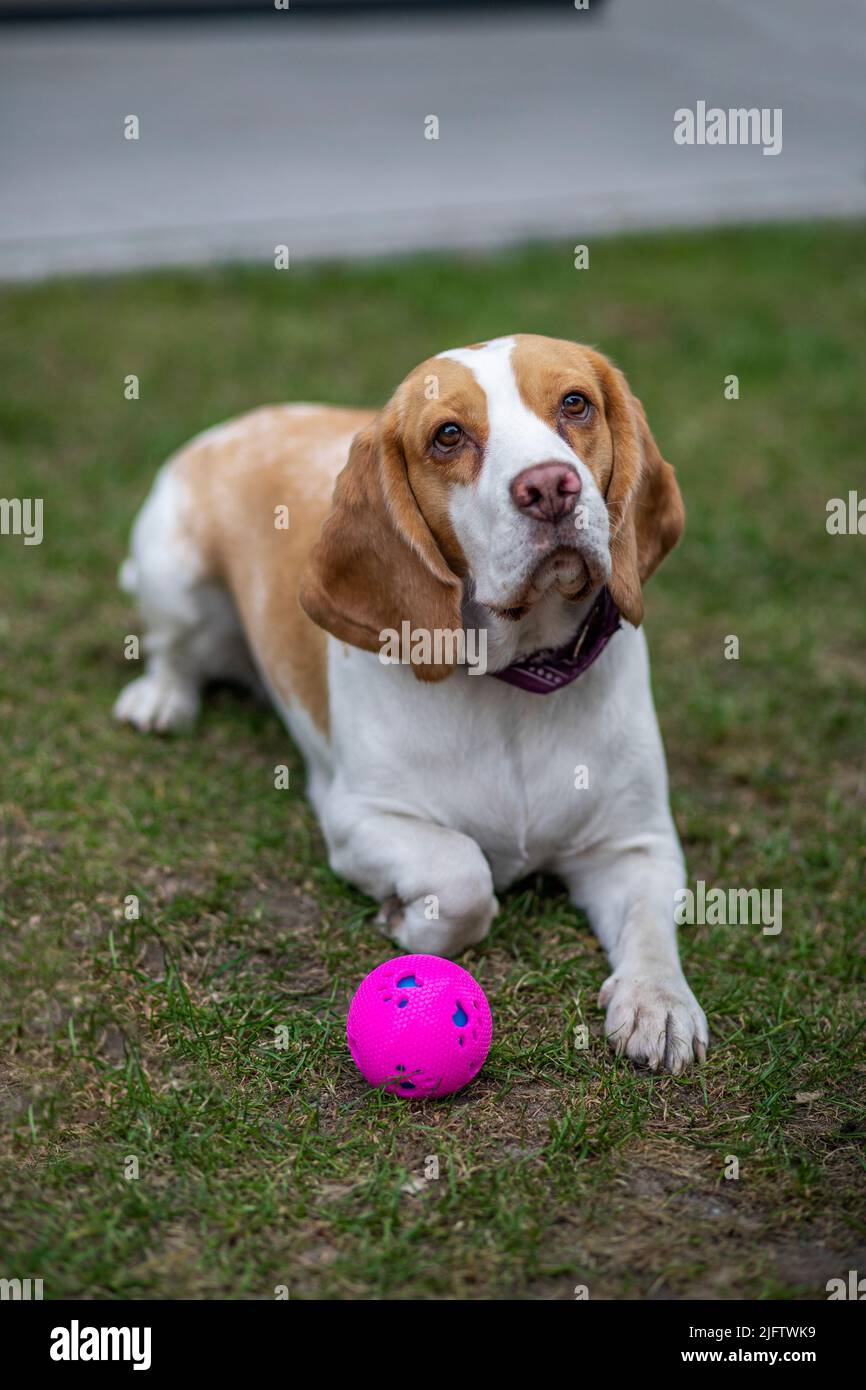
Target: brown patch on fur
x,y
376,563
646,509
545,370
388,553
431,476
238,475
640,488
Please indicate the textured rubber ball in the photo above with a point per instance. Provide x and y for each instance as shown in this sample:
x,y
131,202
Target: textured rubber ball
x,y
419,1026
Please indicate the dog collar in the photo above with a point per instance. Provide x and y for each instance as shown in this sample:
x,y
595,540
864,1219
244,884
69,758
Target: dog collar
x,y
555,667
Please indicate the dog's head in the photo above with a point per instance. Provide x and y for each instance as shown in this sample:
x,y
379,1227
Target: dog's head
x,y
511,469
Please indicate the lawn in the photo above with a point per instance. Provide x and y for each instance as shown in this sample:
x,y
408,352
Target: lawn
x,y
151,1045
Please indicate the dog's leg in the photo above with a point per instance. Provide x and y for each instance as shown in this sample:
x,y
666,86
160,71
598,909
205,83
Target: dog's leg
x,y
191,629
628,894
434,884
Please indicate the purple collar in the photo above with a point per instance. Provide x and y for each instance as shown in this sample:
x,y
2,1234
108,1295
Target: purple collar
x,y
553,668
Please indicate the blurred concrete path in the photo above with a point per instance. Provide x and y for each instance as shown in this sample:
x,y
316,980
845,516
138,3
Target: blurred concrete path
x,y
310,132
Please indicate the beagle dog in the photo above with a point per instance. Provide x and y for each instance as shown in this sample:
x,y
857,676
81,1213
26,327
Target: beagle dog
x,y
510,492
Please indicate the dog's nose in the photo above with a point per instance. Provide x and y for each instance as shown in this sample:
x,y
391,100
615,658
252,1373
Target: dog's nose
x,y
546,491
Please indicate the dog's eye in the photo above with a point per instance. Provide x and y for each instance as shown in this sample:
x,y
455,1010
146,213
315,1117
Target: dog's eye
x,y
576,406
448,435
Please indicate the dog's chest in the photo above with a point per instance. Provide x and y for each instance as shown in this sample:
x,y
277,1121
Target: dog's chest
x,y
524,775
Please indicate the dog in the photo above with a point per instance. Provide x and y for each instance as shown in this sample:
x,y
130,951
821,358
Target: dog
x,y
511,490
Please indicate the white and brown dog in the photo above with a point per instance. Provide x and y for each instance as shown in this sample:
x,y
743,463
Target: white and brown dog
x,y
511,490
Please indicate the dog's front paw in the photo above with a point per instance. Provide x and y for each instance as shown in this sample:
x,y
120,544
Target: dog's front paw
x,y
654,1020
417,927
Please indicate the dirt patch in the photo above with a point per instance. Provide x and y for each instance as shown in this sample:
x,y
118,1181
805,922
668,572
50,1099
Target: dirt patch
x,y
678,1231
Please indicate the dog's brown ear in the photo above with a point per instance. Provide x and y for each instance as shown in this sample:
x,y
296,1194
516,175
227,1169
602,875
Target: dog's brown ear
x,y
376,563
643,499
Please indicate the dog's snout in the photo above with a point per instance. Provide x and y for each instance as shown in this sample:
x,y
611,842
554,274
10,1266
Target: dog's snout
x,y
546,491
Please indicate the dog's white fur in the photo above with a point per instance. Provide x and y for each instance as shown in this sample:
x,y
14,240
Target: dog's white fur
x,y
434,796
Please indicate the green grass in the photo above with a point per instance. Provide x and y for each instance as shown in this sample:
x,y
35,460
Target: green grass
x,y
155,1038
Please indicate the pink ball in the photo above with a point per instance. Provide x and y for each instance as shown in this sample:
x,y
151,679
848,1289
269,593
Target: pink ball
x,y
419,1026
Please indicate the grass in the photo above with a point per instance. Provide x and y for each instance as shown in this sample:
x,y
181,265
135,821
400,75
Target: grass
x,y
154,1039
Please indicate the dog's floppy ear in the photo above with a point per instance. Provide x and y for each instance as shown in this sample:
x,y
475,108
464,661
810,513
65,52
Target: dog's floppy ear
x,y
643,499
376,563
